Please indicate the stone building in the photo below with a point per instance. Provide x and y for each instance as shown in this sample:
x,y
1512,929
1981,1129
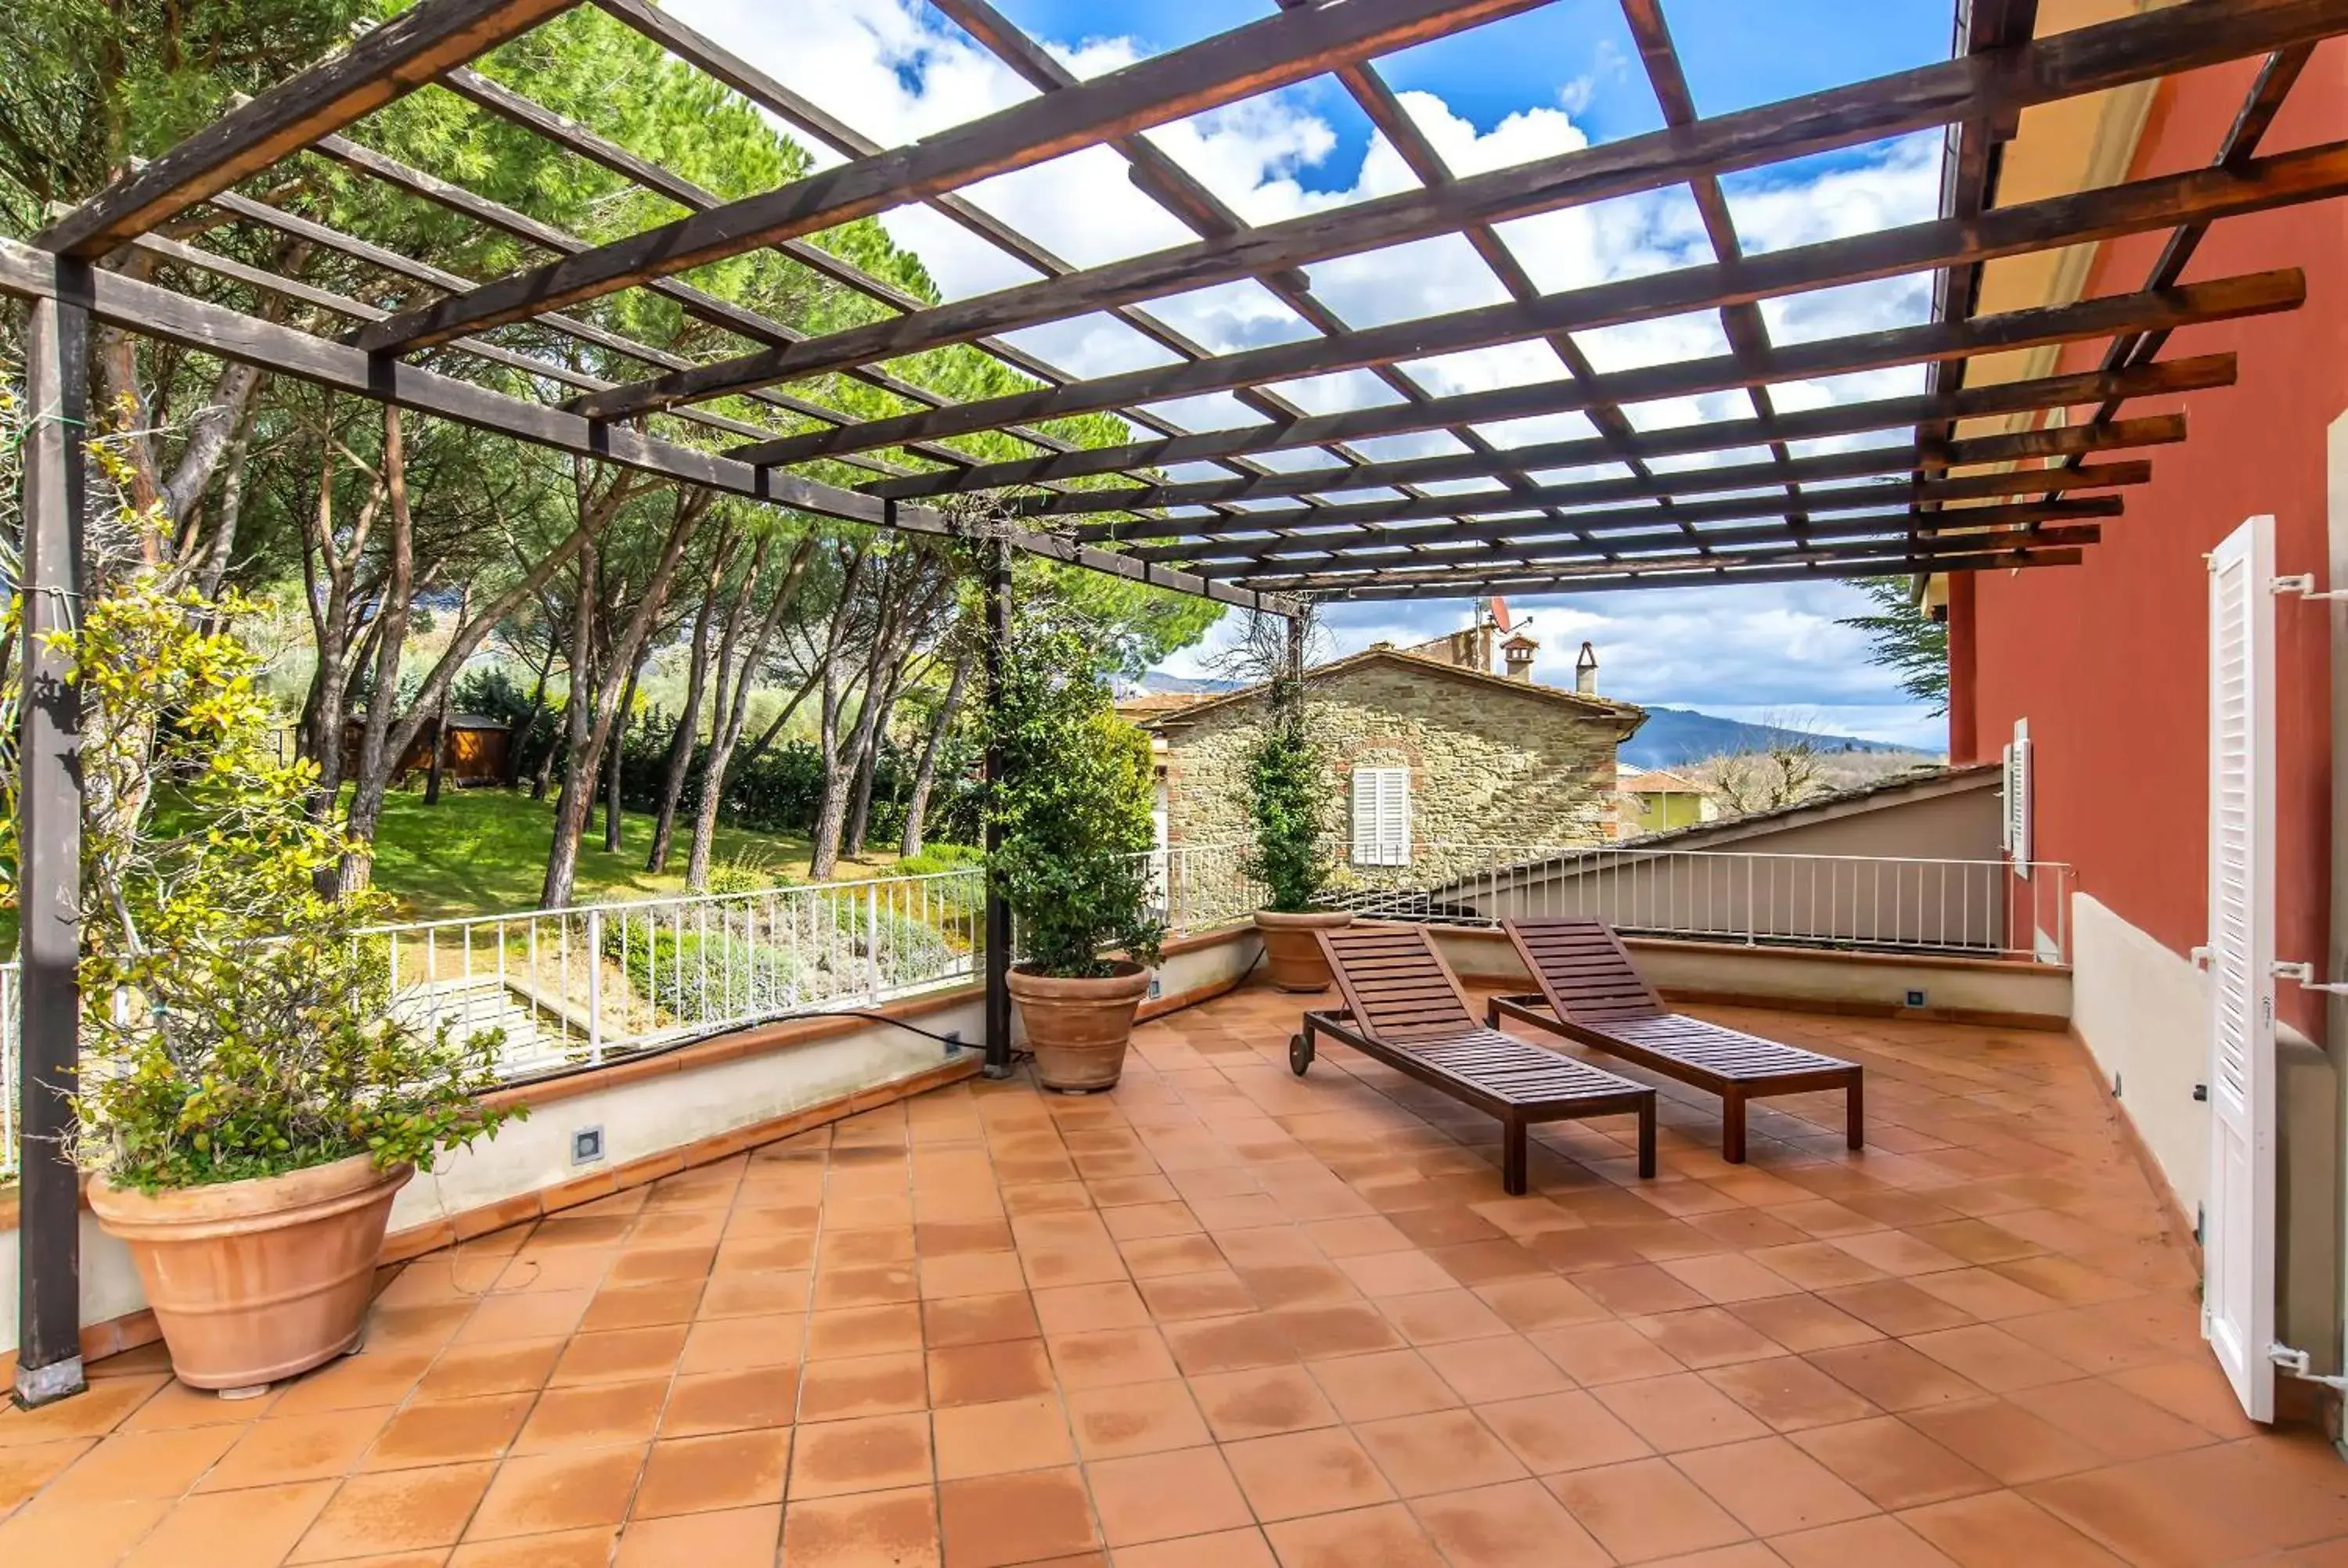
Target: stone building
x,y
1433,760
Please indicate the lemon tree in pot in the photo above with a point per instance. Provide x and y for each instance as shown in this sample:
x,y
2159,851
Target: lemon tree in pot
x,y
1288,781
1074,812
250,1101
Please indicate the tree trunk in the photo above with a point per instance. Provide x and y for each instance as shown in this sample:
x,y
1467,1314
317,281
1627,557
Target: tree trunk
x,y
917,805
727,719
571,814
373,774
523,731
618,750
563,849
868,769
679,761
440,710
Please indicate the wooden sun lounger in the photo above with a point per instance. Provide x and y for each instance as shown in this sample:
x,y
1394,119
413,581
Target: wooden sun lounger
x,y
1593,995
1403,1007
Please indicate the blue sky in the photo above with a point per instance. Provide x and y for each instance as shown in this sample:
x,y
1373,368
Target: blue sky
x,y
1540,85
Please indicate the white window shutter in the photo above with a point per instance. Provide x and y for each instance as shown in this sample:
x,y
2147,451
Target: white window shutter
x,y
2017,800
1381,816
2239,1216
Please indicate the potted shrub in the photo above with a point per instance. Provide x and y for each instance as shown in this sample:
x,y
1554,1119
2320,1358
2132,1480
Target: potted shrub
x,y
1287,778
1073,809
250,1101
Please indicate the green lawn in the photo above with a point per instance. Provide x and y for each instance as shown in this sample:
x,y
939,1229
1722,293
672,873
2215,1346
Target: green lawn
x,y
482,851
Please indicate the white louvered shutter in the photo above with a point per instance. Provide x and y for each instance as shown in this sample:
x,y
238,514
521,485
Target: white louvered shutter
x,y
2017,799
2239,1216
1381,816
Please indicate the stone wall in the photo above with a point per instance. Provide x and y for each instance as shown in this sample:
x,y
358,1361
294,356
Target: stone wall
x,y
1487,765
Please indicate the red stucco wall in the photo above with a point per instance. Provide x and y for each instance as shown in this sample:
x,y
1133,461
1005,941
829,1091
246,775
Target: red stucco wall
x,y
2108,660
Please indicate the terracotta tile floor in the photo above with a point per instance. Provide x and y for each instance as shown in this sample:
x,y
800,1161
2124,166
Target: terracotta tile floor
x,y
1224,1316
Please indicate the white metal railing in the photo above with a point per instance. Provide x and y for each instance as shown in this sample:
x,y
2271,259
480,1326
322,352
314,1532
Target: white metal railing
x,y
1902,904
578,985
1198,886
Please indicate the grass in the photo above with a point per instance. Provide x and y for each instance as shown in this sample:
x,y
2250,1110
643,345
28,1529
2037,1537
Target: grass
x,y
483,851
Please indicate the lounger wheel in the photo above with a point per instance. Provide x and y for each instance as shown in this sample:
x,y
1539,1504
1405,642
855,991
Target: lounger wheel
x,y
1300,1054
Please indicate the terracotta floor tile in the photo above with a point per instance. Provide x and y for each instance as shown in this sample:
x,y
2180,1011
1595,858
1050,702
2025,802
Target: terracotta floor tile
x,y
643,1306
869,1529
465,1370
729,1401
1993,1358
590,1548
1516,1524
1029,1517
1348,1328
1439,1450
970,1273
1261,1402
1155,1256
1086,1308
1889,1373
2285,1488
756,1292
979,1374
1877,1541
1729,1276
1441,1316
734,1538
781,1339
1110,1357
1645,1509
731,1470
1228,1343
232,1529
2005,1441
450,1433
78,1535
1388,1536
1343,1238
1642,1288
527,1314
1771,1486
534,1493
132,1465
1213,1293
1540,1301
1788,1393
1998,1529
399,1510
1009,1435
1706,1337
1605,1352
1803,1323
1225,1549
593,1415
2110,1419
24,1470
1384,1383
297,1448
1894,1464
1679,1411
1553,1432
1159,1496
863,1385
872,1453
1135,1419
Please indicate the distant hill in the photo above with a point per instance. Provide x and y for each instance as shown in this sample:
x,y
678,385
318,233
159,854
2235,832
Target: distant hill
x,y
1672,736
1158,682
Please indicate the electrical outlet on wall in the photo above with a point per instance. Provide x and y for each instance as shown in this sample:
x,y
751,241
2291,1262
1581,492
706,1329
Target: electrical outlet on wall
x,y
586,1145
1915,998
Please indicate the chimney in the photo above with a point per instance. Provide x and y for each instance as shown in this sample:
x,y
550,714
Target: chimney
x,y
1585,672
1518,650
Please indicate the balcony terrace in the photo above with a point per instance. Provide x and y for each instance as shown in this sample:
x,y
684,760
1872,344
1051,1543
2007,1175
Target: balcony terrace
x,y
1228,1316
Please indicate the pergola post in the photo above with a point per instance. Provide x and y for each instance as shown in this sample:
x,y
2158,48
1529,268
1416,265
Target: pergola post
x,y
997,615
48,1239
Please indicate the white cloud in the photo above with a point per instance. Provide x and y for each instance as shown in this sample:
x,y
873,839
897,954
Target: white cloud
x,y
896,72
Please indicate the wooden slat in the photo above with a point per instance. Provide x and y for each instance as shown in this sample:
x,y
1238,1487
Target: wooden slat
x,y
1217,70
383,64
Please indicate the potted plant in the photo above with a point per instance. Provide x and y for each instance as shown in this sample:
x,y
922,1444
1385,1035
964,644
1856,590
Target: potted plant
x,y
1287,780
1072,808
250,1099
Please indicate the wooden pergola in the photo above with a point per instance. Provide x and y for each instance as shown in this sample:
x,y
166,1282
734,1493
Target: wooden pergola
x,y
1293,509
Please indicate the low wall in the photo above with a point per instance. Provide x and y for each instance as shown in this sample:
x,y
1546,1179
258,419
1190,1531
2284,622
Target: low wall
x,y
659,1115
1965,990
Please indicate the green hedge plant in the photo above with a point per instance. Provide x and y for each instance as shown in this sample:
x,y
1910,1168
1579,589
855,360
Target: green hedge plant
x,y
237,1022
1074,806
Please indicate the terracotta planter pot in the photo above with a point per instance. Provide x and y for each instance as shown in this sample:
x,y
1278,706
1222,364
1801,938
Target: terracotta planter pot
x,y
254,1281
1079,1028
1291,955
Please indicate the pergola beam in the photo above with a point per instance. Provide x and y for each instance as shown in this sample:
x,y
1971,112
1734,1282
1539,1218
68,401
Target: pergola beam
x,y
175,318
1217,70
2108,54
381,64
1622,576
2196,373
2219,299
2157,430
